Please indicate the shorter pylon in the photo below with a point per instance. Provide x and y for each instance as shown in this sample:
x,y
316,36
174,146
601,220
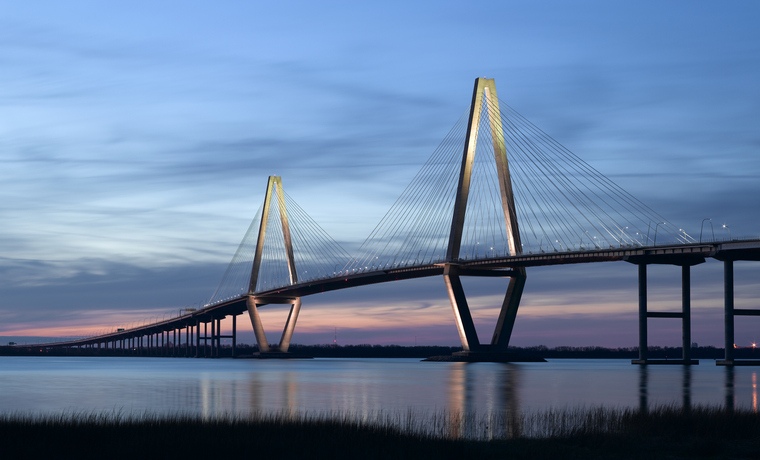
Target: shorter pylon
x,y
274,187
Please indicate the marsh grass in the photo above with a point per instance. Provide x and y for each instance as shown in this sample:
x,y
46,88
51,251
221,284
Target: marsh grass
x,y
597,432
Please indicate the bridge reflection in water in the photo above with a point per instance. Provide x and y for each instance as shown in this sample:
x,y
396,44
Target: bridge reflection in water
x,y
471,400
500,417
368,389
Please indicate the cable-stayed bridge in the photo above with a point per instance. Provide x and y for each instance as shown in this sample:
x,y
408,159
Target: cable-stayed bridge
x,y
497,197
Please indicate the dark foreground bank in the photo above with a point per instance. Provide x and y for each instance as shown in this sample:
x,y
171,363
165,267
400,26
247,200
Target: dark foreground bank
x,y
665,432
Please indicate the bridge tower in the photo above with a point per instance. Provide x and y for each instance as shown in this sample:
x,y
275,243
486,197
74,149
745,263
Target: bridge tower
x,y
274,190
484,94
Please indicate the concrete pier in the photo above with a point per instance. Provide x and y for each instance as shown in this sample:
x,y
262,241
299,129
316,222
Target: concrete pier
x,y
684,315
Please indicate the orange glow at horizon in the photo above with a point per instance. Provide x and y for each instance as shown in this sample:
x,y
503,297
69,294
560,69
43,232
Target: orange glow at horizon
x,y
318,317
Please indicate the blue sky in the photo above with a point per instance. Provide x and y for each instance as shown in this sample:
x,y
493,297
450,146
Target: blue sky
x,y
136,139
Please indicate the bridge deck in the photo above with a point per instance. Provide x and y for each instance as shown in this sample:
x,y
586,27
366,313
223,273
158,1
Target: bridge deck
x,y
673,254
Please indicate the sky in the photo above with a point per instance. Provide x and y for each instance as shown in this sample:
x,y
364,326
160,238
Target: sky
x,y
136,139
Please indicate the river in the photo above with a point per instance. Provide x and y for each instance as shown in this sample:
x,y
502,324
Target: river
x,y
358,386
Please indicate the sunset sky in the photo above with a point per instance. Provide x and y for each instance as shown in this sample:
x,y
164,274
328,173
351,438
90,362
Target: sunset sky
x,y
136,139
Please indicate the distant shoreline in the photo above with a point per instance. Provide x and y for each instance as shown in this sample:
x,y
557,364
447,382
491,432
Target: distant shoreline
x,y
421,352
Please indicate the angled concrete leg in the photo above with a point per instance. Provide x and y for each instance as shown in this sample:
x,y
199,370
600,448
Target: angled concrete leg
x,y
258,327
508,314
290,325
465,326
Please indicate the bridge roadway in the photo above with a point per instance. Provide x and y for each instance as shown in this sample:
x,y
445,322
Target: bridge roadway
x,y
683,254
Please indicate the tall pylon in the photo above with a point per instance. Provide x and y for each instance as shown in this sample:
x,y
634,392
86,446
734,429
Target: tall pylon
x,y
274,189
484,93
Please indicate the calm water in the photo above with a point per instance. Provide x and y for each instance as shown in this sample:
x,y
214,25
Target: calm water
x,y
358,386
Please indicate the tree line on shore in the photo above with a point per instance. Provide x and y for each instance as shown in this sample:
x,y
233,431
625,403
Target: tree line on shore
x,y
398,351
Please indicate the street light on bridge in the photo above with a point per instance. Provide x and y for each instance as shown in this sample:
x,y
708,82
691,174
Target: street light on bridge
x,y
702,226
655,232
622,232
729,231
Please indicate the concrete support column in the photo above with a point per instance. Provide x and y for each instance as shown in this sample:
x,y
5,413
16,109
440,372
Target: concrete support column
x,y
197,338
686,311
218,336
213,337
642,312
728,302
187,340
234,335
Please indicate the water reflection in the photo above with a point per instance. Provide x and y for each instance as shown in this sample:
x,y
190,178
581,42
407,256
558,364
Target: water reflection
x,y
511,392
686,385
729,385
645,386
290,387
254,395
459,398
498,394
499,416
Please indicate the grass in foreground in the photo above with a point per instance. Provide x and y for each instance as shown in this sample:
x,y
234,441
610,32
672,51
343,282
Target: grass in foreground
x,y
597,433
